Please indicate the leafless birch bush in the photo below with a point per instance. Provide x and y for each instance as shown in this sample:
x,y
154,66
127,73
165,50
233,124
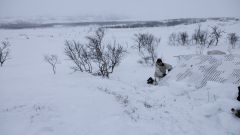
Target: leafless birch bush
x,y
200,37
233,39
147,46
183,38
172,39
215,34
104,57
79,55
52,60
4,52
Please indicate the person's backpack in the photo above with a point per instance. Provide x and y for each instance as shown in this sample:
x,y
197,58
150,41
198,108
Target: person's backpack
x,y
236,112
150,80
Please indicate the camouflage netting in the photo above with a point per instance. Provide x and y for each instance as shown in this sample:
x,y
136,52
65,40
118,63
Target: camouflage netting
x,y
197,70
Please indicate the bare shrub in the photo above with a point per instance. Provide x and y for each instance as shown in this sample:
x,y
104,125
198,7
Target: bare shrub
x,y
211,40
143,40
113,56
233,39
172,39
147,45
4,52
203,38
183,38
200,37
52,60
107,57
216,34
196,35
95,45
95,52
79,55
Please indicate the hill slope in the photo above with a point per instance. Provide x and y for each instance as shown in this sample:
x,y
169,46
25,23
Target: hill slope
x,y
194,98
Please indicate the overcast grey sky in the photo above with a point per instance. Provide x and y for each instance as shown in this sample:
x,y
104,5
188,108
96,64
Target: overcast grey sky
x,y
140,9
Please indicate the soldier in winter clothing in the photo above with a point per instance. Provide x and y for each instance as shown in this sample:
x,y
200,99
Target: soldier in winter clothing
x,y
160,69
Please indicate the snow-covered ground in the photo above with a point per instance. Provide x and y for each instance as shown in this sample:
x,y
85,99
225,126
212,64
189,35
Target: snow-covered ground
x,y
34,101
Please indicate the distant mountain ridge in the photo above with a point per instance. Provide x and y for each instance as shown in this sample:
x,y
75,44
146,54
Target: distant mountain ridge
x,y
111,24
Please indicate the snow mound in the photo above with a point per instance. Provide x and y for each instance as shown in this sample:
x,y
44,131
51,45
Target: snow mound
x,y
198,70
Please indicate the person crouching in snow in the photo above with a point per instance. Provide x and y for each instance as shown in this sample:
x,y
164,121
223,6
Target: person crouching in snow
x,y
160,69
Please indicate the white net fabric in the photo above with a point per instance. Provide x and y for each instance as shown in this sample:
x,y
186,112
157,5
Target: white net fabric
x,y
197,70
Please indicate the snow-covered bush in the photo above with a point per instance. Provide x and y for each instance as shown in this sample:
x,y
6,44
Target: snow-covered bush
x,y
147,46
52,60
4,52
104,57
233,38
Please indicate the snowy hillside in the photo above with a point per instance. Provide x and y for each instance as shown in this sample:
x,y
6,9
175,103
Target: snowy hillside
x,y
195,98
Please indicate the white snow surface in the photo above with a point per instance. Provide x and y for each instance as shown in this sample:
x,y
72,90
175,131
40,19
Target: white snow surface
x,y
33,101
